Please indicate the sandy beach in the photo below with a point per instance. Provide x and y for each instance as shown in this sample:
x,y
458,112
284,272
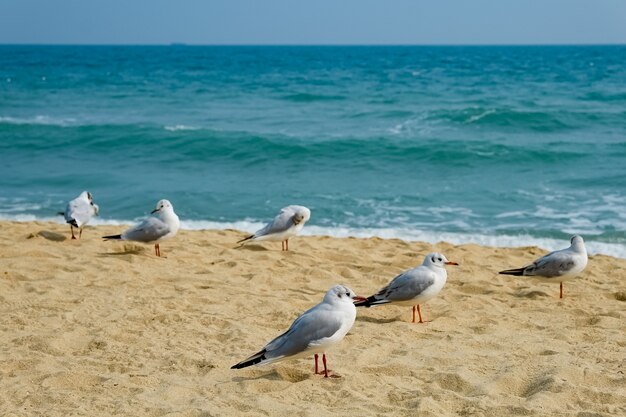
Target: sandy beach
x,y
106,328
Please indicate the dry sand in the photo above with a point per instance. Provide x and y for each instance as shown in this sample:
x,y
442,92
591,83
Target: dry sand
x,y
105,328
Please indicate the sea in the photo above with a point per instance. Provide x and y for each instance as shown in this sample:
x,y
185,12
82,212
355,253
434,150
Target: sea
x,y
495,145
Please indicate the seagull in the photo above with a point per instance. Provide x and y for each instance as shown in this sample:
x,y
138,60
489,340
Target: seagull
x,y
315,331
415,286
288,223
560,265
153,229
79,211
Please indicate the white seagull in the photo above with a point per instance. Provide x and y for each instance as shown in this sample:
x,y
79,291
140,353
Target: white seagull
x,y
561,265
288,223
79,211
153,229
315,331
415,286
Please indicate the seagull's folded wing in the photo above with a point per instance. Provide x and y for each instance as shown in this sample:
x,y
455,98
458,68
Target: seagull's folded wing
x,y
552,265
309,330
408,285
149,230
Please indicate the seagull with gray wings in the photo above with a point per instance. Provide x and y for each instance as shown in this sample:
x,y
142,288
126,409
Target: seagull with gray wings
x,y
288,223
413,287
558,266
163,225
315,331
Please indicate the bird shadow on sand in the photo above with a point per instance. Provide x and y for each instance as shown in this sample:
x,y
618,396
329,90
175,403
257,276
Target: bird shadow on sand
x,y
256,248
127,250
290,375
48,235
375,320
530,294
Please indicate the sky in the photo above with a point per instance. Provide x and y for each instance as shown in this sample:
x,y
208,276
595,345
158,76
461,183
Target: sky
x,y
317,22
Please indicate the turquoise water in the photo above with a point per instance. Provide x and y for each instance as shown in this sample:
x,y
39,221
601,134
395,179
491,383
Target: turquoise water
x,y
494,145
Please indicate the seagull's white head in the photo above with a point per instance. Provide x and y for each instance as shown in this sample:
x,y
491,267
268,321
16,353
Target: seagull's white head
x,y
340,294
301,215
86,195
163,205
577,242
437,259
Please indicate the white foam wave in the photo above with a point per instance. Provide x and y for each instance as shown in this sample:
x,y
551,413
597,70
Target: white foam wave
x,y
477,117
248,226
617,250
420,125
594,248
176,128
60,220
38,120
19,207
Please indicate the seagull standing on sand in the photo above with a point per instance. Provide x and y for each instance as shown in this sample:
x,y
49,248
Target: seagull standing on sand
x,y
288,223
79,211
153,229
415,286
561,265
315,331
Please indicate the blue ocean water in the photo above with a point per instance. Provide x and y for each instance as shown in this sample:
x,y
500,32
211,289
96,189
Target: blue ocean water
x,y
495,145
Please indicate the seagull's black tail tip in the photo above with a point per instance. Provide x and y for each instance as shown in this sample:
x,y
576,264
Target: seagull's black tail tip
x,y
259,357
112,237
239,366
73,222
245,238
517,272
368,302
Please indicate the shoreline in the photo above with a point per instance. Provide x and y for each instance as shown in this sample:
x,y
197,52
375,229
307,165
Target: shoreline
x,y
95,327
548,244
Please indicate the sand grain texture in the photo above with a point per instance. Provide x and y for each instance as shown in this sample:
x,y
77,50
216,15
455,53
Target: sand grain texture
x,y
106,328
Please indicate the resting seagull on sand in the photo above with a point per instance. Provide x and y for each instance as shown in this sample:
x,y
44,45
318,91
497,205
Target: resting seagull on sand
x,y
315,331
153,229
415,286
558,266
79,211
288,223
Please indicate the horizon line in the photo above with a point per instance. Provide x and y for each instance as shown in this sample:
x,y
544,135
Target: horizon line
x,y
319,45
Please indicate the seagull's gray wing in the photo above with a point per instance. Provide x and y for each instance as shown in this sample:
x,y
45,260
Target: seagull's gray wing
x,y
147,231
281,223
553,264
313,325
407,285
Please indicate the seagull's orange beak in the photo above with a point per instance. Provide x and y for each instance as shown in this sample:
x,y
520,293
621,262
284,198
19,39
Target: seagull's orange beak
x,y
451,263
358,298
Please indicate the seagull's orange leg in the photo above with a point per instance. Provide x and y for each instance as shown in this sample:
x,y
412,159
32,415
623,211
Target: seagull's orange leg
x,y
72,229
325,367
561,290
80,233
413,314
419,312
157,250
287,244
317,371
